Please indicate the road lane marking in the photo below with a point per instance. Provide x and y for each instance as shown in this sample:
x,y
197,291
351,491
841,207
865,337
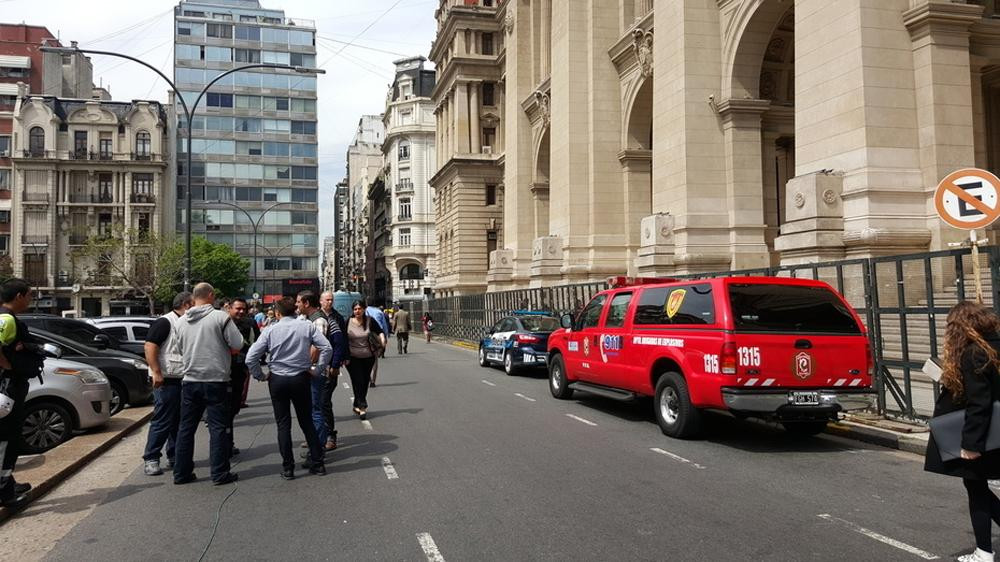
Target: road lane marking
x,y
519,395
879,537
430,549
677,458
581,420
347,386
488,382
390,471
367,425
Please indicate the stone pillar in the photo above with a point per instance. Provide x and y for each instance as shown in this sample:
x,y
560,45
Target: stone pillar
x,y
475,129
540,194
461,107
637,167
546,261
545,52
744,182
656,249
943,78
814,220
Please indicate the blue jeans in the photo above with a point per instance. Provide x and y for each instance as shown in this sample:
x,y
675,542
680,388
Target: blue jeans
x,y
319,420
211,399
166,419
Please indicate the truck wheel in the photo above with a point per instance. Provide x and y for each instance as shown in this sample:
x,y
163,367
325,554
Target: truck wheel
x,y
482,357
558,383
673,409
804,429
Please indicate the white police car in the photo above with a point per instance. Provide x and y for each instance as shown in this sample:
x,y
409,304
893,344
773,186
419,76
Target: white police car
x,y
518,341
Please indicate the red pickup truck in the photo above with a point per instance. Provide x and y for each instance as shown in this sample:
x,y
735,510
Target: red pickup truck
x,y
790,350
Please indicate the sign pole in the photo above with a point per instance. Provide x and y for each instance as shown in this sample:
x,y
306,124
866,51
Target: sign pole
x,y
976,270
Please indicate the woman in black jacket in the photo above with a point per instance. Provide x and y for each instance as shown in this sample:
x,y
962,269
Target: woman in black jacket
x,y
970,380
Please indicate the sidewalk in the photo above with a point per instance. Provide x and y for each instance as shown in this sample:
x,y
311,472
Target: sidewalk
x,y
48,469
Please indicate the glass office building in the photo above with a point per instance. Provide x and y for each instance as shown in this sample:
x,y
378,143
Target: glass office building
x,y
254,146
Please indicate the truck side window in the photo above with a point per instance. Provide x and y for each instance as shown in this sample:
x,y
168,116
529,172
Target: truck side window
x,y
591,315
617,310
685,305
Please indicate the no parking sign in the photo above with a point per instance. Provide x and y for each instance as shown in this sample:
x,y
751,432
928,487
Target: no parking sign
x,y
968,198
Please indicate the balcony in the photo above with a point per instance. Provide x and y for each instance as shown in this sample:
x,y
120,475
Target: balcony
x,y
142,157
91,198
38,153
404,187
36,197
35,240
105,155
143,199
404,218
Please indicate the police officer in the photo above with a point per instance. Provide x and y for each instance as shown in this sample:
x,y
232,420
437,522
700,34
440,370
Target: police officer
x,y
20,362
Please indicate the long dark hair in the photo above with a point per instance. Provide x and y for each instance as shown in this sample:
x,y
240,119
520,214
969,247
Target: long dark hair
x,y
969,324
364,306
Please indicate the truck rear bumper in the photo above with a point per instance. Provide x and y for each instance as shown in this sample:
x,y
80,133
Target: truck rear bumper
x,y
782,402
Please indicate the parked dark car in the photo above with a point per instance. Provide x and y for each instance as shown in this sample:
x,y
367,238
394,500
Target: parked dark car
x,y
128,375
518,342
81,332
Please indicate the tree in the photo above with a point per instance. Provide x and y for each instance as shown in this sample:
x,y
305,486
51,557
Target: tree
x,y
217,264
132,260
6,268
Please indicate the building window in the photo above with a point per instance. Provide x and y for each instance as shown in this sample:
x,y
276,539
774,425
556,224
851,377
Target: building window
x,y
4,217
491,241
247,55
219,100
142,184
104,188
4,179
404,240
487,43
36,141
404,150
142,144
491,195
405,209
489,93
80,144
220,30
5,145
248,33
104,146
489,137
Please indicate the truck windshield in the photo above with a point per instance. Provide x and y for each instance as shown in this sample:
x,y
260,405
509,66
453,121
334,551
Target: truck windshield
x,y
789,309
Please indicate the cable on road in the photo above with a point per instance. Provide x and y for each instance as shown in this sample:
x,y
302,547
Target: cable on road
x,y
218,513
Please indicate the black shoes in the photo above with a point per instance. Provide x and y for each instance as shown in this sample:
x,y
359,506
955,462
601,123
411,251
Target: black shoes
x,y
227,478
21,489
288,474
185,479
314,468
16,501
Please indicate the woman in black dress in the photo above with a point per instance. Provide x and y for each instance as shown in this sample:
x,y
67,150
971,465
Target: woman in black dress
x,y
970,381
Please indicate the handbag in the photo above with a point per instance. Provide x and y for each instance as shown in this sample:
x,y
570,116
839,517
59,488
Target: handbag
x,y
374,342
947,432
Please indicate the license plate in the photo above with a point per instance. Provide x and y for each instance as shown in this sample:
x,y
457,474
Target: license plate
x,y
805,398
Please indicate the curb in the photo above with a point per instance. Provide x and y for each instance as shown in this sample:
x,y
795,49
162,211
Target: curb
x,y
915,444
113,433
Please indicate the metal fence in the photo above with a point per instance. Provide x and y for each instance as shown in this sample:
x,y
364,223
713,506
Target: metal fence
x,y
903,300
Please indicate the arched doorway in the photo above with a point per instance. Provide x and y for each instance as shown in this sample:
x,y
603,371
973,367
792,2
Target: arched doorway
x,y
636,160
540,187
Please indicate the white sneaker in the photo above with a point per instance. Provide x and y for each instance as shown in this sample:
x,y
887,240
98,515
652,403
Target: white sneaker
x,y
977,556
152,468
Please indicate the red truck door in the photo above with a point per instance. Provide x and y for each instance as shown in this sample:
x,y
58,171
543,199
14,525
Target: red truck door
x,y
615,364
582,343
796,336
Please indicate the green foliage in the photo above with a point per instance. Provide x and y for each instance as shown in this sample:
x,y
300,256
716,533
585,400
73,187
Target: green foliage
x,y
217,264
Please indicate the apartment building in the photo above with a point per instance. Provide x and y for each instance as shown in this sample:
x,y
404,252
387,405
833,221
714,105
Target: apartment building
x,y
256,163
364,166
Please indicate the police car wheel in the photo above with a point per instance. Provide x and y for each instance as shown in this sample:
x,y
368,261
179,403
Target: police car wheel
x,y
805,429
46,425
558,383
675,414
508,364
482,357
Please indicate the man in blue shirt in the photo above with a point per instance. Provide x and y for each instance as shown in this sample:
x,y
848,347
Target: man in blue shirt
x,y
289,380
376,314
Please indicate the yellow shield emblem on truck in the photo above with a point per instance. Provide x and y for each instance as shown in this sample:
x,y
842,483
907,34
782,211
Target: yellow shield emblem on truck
x,y
674,302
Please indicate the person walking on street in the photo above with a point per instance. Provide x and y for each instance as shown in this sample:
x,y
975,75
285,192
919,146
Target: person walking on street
x,y
401,325
291,366
427,323
207,339
970,381
376,314
364,338
307,306
239,378
337,336
165,369
21,361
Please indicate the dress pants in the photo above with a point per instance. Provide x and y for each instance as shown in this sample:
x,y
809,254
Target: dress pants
x,y
166,419
239,377
402,342
288,392
211,399
360,370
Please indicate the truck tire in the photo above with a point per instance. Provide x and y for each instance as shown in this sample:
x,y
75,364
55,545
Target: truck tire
x,y
672,407
558,383
805,429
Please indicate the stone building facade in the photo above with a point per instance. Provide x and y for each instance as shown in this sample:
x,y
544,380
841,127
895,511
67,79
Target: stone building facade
x,y
735,134
85,168
410,157
469,104
364,164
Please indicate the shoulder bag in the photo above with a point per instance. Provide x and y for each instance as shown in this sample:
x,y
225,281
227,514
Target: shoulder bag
x,y
374,342
947,432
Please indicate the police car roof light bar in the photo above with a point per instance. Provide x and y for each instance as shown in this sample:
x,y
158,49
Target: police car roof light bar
x,y
531,313
622,281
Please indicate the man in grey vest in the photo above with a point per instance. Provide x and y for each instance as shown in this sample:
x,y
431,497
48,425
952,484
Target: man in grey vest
x,y
165,368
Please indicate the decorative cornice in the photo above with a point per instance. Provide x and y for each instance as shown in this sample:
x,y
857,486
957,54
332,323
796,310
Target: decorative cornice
x,y
941,18
642,46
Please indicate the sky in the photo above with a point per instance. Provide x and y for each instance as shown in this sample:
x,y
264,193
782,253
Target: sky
x,y
355,82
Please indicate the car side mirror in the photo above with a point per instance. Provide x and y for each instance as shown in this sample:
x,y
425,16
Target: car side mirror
x,y
52,350
566,321
101,341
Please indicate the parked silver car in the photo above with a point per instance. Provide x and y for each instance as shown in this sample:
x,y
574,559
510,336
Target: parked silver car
x,y
71,397
130,329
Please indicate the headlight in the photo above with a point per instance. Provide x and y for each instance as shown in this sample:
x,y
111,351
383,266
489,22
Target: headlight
x,y
87,376
137,363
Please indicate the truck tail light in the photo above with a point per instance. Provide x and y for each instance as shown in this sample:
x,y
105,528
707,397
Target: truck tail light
x,y
728,359
525,338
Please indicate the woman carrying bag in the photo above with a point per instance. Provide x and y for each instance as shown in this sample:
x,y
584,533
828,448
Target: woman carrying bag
x,y
365,342
970,381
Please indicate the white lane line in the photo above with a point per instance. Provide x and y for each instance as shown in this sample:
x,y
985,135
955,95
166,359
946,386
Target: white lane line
x,y
430,549
519,395
390,471
879,537
367,425
581,420
347,386
677,458
488,382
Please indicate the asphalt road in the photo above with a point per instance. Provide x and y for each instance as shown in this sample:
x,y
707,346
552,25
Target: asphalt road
x,y
464,463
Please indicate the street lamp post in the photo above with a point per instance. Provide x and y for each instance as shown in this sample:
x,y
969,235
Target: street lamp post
x,y
270,254
255,224
189,115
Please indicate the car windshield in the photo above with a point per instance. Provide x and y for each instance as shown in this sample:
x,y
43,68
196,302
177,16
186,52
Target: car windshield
x,y
540,323
763,307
